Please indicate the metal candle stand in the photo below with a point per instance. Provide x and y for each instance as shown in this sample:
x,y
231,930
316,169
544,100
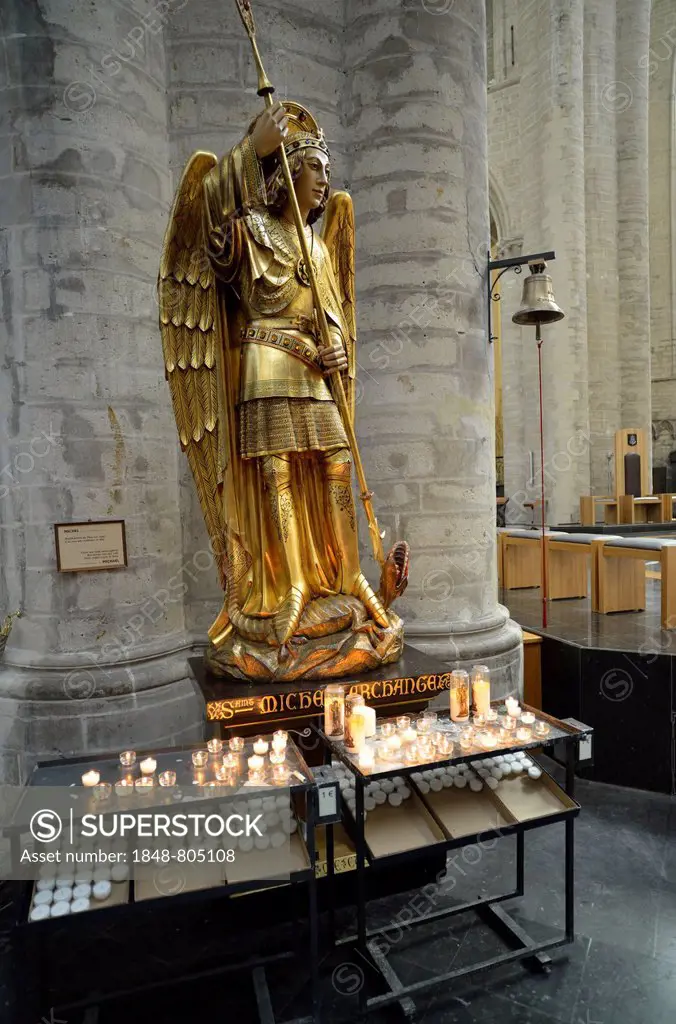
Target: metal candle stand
x,y
533,954
32,936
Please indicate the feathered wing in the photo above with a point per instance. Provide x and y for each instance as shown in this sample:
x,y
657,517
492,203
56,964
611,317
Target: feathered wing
x,y
187,299
339,236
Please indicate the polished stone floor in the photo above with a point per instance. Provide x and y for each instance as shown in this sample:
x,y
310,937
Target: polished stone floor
x,y
620,970
574,621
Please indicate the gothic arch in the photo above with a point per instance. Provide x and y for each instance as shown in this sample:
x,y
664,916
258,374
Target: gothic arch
x,y
498,211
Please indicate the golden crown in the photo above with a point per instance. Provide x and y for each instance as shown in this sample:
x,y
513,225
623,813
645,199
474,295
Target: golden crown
x,y
304,132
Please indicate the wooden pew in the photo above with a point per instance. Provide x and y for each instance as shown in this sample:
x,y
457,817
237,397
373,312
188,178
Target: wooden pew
x,y
618,575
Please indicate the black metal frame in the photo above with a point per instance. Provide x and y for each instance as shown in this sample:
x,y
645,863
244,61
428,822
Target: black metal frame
x,y
32,935
533,954
515,263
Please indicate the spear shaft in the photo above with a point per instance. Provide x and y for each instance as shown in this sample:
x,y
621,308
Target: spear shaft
x,y
266,89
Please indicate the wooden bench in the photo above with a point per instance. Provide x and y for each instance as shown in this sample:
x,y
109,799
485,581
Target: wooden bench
x,y
520,558
567,559
618,575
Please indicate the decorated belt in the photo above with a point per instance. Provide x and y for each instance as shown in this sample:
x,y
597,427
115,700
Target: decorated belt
x,y
306,324
290,343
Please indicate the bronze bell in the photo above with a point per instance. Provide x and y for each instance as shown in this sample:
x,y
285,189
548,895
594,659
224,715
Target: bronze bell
x,y
538,305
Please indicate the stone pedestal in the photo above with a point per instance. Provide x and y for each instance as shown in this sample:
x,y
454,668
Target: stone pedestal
x,y
416,111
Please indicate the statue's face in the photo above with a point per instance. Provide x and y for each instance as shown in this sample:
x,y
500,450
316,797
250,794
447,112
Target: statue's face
x,y
312,181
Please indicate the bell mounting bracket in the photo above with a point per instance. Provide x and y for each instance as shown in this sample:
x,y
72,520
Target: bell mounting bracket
x,y
515,263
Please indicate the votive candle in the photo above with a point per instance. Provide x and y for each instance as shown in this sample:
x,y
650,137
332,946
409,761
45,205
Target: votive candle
x,y
481,688
387,729
459,695
124,787
524,733
148,766
541,728
236,743
103,791
260,745
403,723
277,756
200,758
528,718
91,779
128,758
411,754
167,778
230,760
366,759
221,773
279,739
256,763
144,785
215,746
409,736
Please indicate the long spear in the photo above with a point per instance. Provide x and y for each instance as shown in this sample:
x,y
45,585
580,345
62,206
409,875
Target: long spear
x,y
266,89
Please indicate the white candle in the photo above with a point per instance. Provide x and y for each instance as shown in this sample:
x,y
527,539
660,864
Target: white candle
x,y
90,779
148,766
366,758
256,763
260,746
369,716
409,736
527,718
481,689
279,740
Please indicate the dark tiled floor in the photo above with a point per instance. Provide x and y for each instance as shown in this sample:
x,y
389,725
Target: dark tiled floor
x,y
575,622
620,970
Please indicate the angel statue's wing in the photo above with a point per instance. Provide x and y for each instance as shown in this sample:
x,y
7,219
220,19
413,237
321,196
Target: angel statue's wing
x,y
338,235
187,299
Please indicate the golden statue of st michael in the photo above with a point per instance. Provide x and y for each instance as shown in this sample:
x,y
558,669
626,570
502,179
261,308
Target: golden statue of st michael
x,y
250,382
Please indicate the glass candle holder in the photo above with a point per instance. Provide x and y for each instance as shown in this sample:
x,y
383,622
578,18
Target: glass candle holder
x,y
509,723
124,787
280,739
504,735
430,716
409,736
425,748
524,733
200,758
167,778
280,774
528,718
145,785
277,756
403,723
260,746
103,792
488,740
256,764
236,743
221,773
423,725
459,695
91,779
445,746
334,711
411,754
230,760
128,758
478,721
215,746
541,728
481,689
148,766
393,745
492,715
387,729
467,737
355,726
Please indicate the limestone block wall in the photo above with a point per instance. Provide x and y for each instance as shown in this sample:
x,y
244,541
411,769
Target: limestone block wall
x,y
212,100
85,428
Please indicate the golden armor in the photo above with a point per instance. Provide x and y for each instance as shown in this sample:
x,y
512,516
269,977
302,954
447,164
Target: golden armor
x,y
257,419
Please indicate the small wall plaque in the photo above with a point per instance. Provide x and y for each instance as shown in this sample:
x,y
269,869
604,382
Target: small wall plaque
x,y
83,547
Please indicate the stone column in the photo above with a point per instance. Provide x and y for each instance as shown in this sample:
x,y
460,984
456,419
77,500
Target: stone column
x,y
97,660
416,108
553,193
633,238
604,100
